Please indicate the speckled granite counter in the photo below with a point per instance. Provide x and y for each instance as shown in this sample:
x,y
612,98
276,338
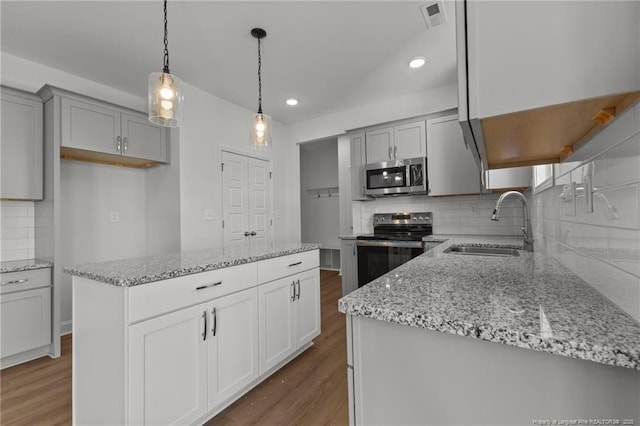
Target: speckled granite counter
x,y
530,301
23,265
131,272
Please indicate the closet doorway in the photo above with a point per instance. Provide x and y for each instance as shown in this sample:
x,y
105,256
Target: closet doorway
x,y
319,200
246,199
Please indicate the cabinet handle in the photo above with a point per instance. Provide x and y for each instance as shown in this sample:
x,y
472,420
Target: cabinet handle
x,y
253,233
204,333
298,292
390,152
353,247
20,281
295,264
214,312
292,287
247,233
363,190
202,287
395,151
125,145
118,144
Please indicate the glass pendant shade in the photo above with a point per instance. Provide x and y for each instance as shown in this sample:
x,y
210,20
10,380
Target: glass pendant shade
x,y
261,131
165,99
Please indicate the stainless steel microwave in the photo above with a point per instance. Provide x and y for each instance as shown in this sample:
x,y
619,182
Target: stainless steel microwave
x,y
396,177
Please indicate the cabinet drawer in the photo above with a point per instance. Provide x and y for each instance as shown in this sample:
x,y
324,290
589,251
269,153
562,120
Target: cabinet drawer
x,y
25,321
25,280
278,267
156,298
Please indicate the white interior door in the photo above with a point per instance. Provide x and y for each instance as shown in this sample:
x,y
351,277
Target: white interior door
x,y
235,203
259,198
246,204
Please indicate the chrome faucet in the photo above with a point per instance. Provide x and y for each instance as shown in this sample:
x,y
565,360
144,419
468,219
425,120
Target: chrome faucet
x,y
526,228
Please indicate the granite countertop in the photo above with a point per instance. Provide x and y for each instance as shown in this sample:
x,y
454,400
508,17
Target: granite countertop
x,y
23,265
136,271
530,301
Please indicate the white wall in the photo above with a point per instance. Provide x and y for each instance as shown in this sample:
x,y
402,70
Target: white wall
x,y
600,247
212,123
415,104
320,215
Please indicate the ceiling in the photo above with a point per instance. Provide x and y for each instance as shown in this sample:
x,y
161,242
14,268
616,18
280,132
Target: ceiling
x,y
330,55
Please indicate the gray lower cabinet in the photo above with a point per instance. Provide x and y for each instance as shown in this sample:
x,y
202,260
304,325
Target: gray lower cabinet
x,y
25,315
21,145
96,131
349,265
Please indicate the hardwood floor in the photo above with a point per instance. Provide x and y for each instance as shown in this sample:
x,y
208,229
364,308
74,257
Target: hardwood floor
x,y
310,390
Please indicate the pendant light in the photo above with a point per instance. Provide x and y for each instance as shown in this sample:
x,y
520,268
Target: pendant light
x,y
261,123
165,95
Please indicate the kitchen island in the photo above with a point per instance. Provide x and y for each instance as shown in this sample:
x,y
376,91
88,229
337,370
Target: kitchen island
x,y
463,339
175,339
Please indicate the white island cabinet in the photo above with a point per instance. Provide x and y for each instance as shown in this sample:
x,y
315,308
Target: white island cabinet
x,y
178,350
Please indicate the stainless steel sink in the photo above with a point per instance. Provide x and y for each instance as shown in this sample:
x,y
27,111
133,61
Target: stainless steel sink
x,y
482,251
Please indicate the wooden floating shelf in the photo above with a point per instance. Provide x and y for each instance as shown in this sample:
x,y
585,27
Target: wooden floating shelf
x,y
549,134
102,158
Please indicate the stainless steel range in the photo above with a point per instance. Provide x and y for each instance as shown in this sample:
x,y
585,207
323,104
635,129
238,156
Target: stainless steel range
x,y
396,239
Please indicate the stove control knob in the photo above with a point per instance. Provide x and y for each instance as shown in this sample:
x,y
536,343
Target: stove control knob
x,y
420,218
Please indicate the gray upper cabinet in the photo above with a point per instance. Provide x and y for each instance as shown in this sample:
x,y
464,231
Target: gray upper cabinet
x,y
451,168
21,145
358,158
396,143
97,131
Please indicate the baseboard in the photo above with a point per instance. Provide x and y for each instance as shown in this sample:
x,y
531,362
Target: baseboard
x,y
66,327
32,354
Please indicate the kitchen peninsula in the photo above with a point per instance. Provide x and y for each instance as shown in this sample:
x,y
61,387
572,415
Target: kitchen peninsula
x,y
174,339
462,339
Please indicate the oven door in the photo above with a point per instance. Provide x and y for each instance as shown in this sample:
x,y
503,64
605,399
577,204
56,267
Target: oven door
x,y
377,257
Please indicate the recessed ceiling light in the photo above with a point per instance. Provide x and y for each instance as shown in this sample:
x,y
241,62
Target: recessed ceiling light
x,y
417,62
292,102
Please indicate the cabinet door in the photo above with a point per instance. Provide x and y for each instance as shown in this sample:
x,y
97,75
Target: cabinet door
x,y
142,139
276,305
26,320
349,266
235,200
358,159
233,347
380,145
90,127
410,141
21,155
259,209
307,309
451,168
168,368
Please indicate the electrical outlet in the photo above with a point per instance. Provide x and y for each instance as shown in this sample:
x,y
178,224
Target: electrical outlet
x,y
208,214
474,209
114,216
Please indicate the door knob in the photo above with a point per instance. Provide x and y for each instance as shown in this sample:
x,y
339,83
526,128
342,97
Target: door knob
x,y
247,233
253,233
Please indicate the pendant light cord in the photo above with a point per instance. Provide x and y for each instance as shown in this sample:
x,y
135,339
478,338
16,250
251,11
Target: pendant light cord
x,y
259,78
166,41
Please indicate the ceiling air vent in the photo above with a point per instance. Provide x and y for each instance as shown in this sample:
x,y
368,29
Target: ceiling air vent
x,y
433,13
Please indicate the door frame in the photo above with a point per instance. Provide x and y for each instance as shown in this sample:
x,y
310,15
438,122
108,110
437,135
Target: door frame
x,y
233,150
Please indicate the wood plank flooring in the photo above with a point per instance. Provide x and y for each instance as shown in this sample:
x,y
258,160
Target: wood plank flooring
x,y
310,390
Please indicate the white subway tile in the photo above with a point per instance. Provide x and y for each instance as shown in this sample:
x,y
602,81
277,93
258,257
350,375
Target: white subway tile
x,y
589,239
624,200
621,288
15,233
17,222
623,163
23,243
7,255
624,249
14,211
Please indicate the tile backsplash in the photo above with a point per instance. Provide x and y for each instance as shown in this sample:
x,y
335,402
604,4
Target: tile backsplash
x,y
601,246
451,215
17,239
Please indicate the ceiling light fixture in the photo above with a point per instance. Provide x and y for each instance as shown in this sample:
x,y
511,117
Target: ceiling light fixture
x,y
261,123
417,62
165,96
292,102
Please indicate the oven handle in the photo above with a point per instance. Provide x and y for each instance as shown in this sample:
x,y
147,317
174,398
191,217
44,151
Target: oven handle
x,y
378,243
